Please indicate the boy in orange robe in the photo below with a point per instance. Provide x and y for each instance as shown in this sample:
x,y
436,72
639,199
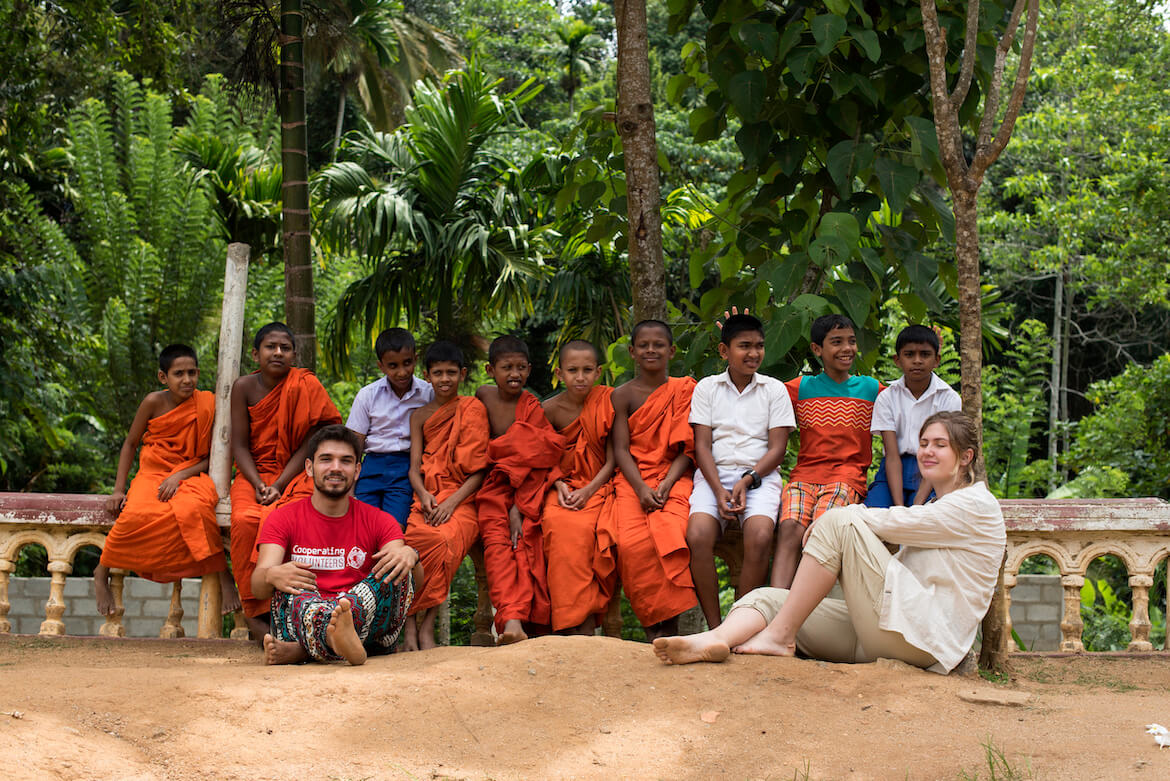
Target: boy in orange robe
x,y
274,412
448,460
524,450
583,414
652,445
166,528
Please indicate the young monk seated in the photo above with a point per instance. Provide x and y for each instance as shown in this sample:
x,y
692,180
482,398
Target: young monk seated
x,y
652,443
336,569
448,459
583,414
274,412
920,605
166,528
523,451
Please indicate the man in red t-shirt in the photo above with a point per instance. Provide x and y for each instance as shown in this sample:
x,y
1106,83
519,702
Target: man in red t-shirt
x,y
337,570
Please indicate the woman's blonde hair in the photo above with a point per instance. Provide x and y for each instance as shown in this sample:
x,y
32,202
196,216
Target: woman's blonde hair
x,y
963,436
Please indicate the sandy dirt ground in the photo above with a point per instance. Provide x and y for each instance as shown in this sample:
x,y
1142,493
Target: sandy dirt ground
x,y
558,707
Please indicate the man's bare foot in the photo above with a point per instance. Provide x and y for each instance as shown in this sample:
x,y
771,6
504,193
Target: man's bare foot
x,y
342,636
228,593
426,641
283,652
101,587
690,648
767,645
513,633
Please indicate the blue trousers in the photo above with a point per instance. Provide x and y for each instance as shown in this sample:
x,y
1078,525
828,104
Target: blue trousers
x,y
879,493
384,484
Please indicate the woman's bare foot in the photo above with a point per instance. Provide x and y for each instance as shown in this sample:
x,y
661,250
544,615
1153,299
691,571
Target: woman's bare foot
x,y
513,633
283,652
766,644
228,593
342,636
101,588
704,647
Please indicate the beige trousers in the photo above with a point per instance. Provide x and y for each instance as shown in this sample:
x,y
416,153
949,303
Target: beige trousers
x,y
844,630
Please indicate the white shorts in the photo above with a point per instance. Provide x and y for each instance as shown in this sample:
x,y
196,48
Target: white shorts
x,y
764,500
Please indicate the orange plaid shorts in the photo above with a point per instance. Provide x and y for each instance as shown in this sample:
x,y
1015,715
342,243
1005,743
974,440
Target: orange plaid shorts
x,y
805,502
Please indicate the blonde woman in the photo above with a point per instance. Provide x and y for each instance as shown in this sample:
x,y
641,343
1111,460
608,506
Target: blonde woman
x,y
921,605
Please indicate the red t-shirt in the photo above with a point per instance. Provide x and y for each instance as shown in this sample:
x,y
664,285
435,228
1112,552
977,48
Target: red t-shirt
x,y
339,551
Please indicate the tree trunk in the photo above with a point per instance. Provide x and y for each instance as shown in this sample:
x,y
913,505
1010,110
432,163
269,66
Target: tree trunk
x,y
970,308
343,86
635,125
299,302
1054,377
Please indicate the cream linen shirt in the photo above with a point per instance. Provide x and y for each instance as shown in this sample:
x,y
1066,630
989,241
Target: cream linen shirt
x,y
939,585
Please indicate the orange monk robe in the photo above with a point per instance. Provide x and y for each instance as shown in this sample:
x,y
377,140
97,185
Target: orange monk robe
x,y
279,424
650,549
523,462
178,538
455,443
577,588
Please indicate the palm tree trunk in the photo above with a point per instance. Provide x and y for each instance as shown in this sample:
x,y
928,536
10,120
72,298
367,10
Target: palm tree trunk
x,y
343,86
635,125
299,302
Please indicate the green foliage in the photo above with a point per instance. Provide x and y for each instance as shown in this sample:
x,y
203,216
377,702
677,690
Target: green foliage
x,y
1013,407
148,235
1106,617
998,767
439,219
1127,430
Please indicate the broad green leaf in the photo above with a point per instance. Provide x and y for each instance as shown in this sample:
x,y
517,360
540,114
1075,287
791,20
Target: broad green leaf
x,y
800,63
868,41
854,298
702,123
746,91
758,38
827,29
843,226
566,196
789,39
697,271
897,182
839,7
677,85
783,331
922,271
924,140
589,193
754,141
784,274
828,251
811,303
839,163
914,306
790,155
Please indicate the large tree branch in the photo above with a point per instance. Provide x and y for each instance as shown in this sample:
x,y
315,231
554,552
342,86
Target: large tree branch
x,y
995,87
967,68
946,115
986,155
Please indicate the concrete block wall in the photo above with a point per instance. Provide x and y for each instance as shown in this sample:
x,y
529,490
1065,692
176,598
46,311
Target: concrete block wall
x,y
1037,603
147,605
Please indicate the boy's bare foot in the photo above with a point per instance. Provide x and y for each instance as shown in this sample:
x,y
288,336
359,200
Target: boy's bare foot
x,y
342,636
228,593
426,629
410,635
257,628
513,633
101,587
283,652
690,648
766,645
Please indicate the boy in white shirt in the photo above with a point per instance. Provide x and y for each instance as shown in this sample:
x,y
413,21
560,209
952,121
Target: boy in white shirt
x,y
380,416
742,420
898,415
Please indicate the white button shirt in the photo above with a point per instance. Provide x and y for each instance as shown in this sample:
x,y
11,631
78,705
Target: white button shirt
x,y
939,585
740,422
383,418
897,410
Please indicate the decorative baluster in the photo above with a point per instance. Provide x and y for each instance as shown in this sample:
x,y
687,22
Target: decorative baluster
x,y
239,627
174,625
210,607
1071,625
113,626
55,607
1139,625
6,567
1009,582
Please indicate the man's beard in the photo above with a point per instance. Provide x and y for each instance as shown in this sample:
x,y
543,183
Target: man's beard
x,y
332,493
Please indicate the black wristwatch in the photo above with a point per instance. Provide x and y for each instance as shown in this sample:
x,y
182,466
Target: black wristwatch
x,y
755,478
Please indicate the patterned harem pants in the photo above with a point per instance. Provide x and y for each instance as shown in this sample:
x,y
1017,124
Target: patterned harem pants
x,y
379,611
